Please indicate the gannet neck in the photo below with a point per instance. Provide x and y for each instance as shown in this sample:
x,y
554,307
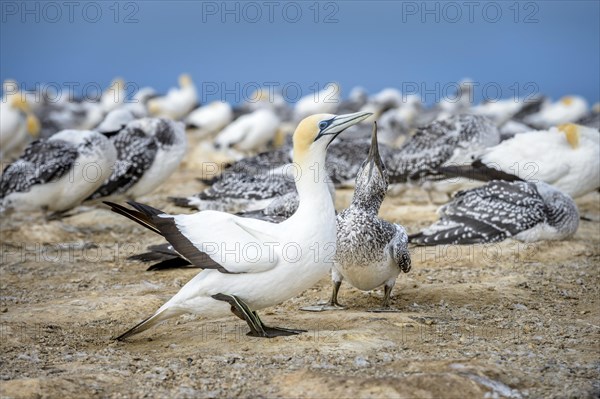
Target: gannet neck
x,y
311,182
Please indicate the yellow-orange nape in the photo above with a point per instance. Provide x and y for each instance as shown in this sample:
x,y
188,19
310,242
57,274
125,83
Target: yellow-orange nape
x,y
571,131
185,80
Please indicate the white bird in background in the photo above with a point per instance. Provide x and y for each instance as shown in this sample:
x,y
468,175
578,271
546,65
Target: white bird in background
x,y
56,174
250,132
568,109
567,157
17,123
114,96
268,273
119,117
210,118
149,150
178,102
381,102
525,211
324,101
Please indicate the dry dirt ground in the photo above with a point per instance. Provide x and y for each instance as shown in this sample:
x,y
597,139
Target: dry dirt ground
x,y
508,320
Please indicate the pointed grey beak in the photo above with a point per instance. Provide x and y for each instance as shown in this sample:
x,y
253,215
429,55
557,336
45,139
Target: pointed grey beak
x,y
340,123
374,157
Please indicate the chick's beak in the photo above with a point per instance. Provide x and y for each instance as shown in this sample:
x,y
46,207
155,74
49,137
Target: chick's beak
x,y
374,158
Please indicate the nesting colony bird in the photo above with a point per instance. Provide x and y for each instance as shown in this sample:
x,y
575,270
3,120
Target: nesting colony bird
x,y
210,118
381,102
56,174
592,118
250,132
325,101
567,109
450,141
267,273
239,192
370,251
178,102
356,100
17,124
567,157
499,210
148,152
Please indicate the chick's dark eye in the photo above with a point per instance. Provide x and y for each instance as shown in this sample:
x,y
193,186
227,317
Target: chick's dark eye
x,y
323,125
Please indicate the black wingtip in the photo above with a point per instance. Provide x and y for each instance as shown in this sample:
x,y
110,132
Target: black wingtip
x,y
180,201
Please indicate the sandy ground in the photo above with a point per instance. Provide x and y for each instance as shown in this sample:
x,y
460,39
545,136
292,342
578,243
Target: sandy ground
x,y
508,320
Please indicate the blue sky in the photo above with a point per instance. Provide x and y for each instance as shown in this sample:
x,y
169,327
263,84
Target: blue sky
x,y
508,48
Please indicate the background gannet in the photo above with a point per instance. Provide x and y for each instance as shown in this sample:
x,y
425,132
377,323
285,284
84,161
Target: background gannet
x,y
567,109
567,157
499,210
17,124
178,102
250,132
148,152
272,276
58,173
370,251
210,118
325,101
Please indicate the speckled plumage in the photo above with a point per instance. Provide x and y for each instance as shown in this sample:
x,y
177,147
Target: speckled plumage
x,y
499,210
448,141
138,146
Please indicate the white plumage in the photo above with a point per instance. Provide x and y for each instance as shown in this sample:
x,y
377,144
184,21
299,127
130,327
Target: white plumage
x,y
178,102
210,118
324,101
249,132
567,109
567,157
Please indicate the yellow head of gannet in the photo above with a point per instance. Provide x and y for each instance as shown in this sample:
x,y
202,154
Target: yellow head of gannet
x,y
185,80
567,100
571,131
33,124
316,132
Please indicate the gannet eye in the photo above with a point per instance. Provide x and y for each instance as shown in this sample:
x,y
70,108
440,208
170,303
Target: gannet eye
x,y
323,125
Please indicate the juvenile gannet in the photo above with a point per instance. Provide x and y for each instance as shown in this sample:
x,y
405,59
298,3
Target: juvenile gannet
x,y
178,102
525,211
148,152
567,109
210,118
265,271
567,157
370,251
326,101
17,124
238,192
449,141
250,132
58,173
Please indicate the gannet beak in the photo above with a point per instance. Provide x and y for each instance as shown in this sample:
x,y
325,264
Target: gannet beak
x,y
20,103
374,158
340,123
571,132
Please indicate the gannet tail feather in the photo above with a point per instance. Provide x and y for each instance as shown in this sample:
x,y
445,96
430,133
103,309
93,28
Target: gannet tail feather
x,y
136,216
477,171
181,201
150,322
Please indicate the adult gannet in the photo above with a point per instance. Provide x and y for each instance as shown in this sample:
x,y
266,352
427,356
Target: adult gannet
x,y
265,271
17,124
326,101
148,152
178,102
210,118
250,132
592,118
525,211
119,117
567,109
381,102
370,251
567,157
58,173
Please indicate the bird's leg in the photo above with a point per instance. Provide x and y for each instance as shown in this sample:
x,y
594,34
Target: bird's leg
x,y
387,293
333,303
257,328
